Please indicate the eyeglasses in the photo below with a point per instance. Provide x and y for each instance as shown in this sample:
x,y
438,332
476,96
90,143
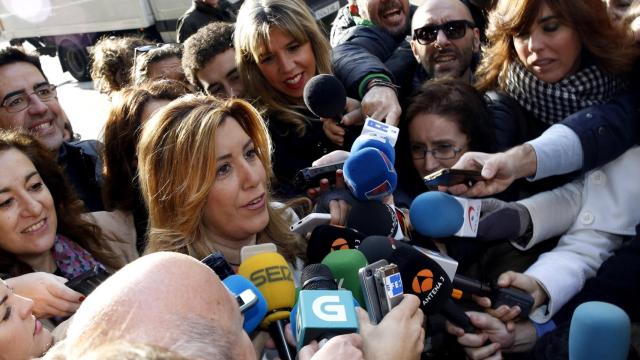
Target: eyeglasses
x,y
145,49
18,102
442,152
452,29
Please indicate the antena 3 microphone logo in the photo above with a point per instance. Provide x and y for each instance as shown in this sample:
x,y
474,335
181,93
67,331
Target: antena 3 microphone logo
x,y
423,284
339,244
329,308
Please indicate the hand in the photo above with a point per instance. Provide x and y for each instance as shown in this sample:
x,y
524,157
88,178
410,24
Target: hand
x,y
381,103
347,346
500,220
399,335
336,202
489,329
504,313
499,170
332,158
526,283
333,131
49,294
353,113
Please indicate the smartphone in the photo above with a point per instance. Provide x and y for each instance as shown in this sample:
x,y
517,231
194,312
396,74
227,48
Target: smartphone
x,y
309,222
369,290
246,299
389,287
511,297
311,176
450,177
86,282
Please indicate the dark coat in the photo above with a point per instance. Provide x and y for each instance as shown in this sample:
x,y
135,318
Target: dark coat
x,y
82,166
199,15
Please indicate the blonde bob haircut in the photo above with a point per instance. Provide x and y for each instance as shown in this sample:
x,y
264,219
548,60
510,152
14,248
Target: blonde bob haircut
x,y
255,21
610,49
177,167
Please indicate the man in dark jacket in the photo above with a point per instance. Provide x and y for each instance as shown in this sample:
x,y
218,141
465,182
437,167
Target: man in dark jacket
x,y
29,102
200,14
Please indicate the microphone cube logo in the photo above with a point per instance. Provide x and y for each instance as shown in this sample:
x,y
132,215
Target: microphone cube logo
x,y
329,308
422,282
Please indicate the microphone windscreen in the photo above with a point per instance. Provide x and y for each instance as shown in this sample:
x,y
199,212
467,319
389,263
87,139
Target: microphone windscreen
x,y
599,330
327,238
344,266
436,214
325,96
271,274
422,277
373,218
377,247
377,142
317,277
253,315
369,174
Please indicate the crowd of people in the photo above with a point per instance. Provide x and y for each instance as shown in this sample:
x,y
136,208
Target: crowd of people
x,y
205,137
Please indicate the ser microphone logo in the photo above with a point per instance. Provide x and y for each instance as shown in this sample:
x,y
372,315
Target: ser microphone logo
x,y
329,308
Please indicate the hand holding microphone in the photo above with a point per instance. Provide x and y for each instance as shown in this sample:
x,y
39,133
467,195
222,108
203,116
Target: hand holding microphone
x,y
492,337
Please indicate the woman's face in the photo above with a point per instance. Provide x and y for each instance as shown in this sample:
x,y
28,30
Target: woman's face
x,y
236,207
22,336
618,8
287,64
28,219
550,50
439,134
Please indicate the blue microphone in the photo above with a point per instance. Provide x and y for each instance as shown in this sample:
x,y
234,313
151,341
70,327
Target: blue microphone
x,y
599,330
437,214
369,174
377,142
323,311
254,314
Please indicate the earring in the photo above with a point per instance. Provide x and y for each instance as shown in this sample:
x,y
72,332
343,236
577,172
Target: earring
x,y
353,9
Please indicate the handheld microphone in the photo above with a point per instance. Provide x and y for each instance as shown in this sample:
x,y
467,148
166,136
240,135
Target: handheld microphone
x,y
325,96
424,278
327,238
253,316
323,311
369,174
216,262
375,141
271,274
344,266
377,247
437,214
599,330
374,218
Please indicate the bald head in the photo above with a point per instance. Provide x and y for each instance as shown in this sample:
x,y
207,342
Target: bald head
x,y
162,299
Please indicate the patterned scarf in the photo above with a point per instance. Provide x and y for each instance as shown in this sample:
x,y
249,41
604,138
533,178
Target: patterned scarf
x,y
552,103
71,259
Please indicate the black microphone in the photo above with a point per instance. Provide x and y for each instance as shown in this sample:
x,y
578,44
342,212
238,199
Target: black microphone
x,y
373,218
325,96
327,238
429,282
216,262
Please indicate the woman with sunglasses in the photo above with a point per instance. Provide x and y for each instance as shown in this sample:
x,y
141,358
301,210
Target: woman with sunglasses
x,y
279,48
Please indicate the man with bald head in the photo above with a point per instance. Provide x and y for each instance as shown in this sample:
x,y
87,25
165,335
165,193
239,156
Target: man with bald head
x,y
444,40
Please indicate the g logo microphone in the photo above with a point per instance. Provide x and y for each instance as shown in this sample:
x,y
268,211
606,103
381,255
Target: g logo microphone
x,y
339,244
422,282
329,308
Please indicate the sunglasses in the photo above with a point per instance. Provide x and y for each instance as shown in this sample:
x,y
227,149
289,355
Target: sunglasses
x,y
452,29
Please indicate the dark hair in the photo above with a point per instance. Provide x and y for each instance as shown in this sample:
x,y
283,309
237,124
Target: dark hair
x,y
456,100
204,45
112,60
121,134
67,205
11,55
140,74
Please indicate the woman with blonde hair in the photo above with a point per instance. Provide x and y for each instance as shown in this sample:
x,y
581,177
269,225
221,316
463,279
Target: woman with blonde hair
x,y
279,48
554,58
204,168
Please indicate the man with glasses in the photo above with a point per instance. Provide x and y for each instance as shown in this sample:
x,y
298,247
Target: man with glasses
x,y
445,40
30,102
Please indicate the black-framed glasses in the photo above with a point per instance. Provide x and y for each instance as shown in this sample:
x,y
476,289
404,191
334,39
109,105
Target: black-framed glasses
x,y
452,29
441,152
20,101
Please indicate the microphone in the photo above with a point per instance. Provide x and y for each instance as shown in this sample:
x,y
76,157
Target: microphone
x,y
376,247
424,278
325,96
375,141
216,262
374,218
253,316
599,330
323,311
271,274
437,214
369,174
327,238
344,266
